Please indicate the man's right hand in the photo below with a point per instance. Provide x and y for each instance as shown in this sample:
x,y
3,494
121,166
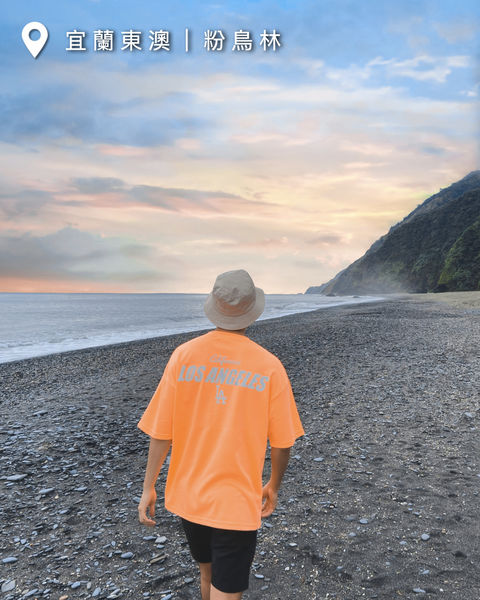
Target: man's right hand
x,y
269,500
279,458
147,501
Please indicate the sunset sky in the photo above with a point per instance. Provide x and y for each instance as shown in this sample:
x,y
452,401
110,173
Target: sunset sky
x,y
153,171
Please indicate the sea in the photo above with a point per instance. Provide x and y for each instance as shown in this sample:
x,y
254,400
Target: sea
x,y
39,324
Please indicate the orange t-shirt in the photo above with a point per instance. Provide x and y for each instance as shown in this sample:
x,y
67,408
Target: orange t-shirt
x,y
220,398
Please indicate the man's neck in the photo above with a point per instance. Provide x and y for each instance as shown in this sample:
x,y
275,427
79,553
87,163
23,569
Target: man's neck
x,y
238,331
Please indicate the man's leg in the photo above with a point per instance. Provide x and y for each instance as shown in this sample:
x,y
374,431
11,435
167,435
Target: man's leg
x,y
232,556
205,579
199,539
218,595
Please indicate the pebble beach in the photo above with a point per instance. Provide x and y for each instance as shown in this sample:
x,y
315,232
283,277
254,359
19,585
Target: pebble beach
x,y
380,499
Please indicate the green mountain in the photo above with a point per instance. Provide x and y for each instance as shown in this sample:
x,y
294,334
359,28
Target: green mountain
x,y
436,248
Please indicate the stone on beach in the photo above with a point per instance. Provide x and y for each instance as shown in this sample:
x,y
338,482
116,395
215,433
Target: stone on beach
x,y
8,585
17,477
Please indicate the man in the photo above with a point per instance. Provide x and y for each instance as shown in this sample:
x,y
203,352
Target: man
x,y
220,398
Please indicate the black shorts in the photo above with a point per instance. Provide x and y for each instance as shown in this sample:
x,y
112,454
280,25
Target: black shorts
x,y
230,552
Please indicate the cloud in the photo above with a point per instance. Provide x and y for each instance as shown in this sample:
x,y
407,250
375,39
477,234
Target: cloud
x,y
101,192
97,185
256,244
427,68
69,111
325,239
70,254
23,203
458,30
435,150
221,116
422,67
106,190
412,28
194,201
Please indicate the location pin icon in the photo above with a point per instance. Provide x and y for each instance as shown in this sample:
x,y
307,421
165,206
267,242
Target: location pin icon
x,y
34,46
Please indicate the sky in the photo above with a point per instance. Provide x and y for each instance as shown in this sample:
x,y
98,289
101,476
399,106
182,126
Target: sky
x,y
155,170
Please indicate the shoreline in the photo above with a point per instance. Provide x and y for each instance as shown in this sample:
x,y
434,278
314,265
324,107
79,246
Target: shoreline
x,y
189,332
459,300
380,497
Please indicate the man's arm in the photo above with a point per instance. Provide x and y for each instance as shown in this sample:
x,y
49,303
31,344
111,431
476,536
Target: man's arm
x,y
157,453
279,460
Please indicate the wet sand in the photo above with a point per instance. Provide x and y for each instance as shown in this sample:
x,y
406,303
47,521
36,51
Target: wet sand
x,y
380,500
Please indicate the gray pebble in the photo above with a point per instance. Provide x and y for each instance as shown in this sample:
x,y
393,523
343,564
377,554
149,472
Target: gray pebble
x,y
96,592
259,576
9,559
38,413
419,591
425,537
126,555
8,586
319,459
363,521
30,593
161,539
45,491
75,585
188,579
17,477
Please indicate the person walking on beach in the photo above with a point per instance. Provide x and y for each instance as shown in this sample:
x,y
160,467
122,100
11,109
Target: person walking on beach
x,y
221,397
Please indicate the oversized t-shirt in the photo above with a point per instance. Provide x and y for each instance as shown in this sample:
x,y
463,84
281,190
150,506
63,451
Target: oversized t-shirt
x,y
220,398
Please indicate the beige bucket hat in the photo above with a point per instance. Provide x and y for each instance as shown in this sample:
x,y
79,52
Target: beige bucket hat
x,y
234,302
